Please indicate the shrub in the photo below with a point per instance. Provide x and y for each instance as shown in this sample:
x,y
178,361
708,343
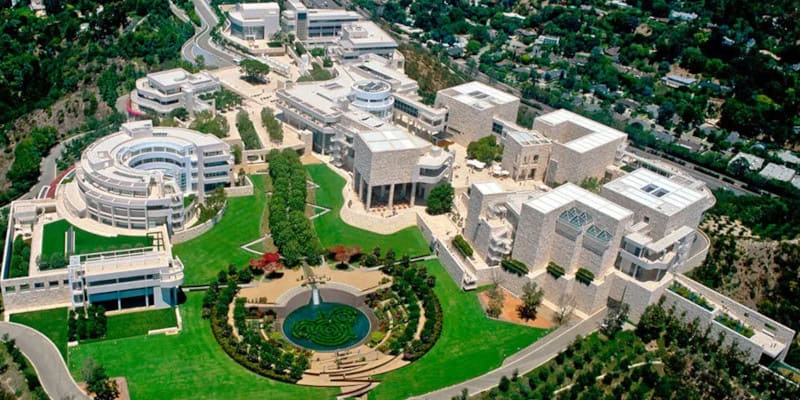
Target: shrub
x,y
555,270
461,244
247,131
514,266
584,276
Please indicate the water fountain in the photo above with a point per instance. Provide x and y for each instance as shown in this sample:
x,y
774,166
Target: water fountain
x,y
315,300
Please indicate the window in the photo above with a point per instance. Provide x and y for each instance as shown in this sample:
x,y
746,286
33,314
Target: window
x,y
38,285
53,284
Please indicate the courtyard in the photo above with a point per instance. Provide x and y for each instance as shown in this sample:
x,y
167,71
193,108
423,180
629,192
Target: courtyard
x,y
470,343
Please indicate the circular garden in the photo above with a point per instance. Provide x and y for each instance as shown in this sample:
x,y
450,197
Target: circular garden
x,y
326,326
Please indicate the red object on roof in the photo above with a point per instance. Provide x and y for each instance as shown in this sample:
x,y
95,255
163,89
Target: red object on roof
x,y
51,193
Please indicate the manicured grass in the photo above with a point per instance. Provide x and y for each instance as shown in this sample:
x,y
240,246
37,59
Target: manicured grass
x,y
139,323
206,255
332,230
52,323
86,242
471,344
189,365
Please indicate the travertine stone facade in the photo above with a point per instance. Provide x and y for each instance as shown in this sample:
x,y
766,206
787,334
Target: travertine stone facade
x,y
526,155
548,230
582,148
472,108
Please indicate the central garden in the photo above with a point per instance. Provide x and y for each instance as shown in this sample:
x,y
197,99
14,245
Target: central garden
x,y
421,316
326,326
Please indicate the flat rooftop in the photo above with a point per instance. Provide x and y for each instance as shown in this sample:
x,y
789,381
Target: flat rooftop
x,y
479,95
777,172
527,138
364,33
568,193
657,192
392,140
597,133
321,96
170,76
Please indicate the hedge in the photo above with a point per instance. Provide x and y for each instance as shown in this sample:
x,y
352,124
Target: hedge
x,y
514,266
461,244
247,131
556,270
584,276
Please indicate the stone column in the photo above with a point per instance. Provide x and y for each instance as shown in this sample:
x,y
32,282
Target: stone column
x,y
391,195
413,193
369,197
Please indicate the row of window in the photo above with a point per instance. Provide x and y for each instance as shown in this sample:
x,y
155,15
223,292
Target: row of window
x,y
126,279
26,287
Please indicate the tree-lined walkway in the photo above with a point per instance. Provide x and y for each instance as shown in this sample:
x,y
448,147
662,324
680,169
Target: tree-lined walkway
x,y
45,358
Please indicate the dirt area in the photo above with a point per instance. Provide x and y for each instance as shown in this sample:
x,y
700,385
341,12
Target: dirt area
x,y
292,278
544,316
65,115
122,385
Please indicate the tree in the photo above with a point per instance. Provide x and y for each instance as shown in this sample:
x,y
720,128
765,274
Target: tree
x,y
272,125
496,300
532,297
254,70
615,319
237,154
97,381
440,199
473,46
485,149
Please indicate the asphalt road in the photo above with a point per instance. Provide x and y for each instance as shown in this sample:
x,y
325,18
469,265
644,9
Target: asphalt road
x,y
46,360
200,43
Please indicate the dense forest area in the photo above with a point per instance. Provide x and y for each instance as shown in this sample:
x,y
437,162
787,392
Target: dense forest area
x,y
76,45
747,53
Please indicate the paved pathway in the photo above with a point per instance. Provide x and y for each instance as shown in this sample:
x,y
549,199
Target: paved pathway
x,y
43,354
523,361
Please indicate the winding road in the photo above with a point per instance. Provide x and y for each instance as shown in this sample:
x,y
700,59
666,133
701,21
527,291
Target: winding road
x,y
201,44
46,360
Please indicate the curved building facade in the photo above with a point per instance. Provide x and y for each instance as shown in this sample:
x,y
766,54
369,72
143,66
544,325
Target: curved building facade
x,y
138,177
373,96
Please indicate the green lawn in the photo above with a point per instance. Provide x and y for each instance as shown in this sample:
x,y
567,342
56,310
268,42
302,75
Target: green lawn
x,y
139,323
471,344
86,242
189,365
332,230
52,323
204,256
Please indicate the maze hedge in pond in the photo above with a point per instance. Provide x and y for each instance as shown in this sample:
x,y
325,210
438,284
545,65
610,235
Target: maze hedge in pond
x,y
332,329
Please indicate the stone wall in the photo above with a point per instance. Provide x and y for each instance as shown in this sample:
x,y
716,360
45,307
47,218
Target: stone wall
x,y
240,191
690,312
40,292
451,263
197,230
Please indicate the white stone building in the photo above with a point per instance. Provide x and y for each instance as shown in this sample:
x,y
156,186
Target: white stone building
x,y
582,148
138,177
667,211
393,167
166,91
315,25
472,109
120,279
254,21
525,155
364,37
570,228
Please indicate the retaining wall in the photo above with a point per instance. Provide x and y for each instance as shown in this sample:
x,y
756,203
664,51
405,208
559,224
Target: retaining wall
x,y
197,230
